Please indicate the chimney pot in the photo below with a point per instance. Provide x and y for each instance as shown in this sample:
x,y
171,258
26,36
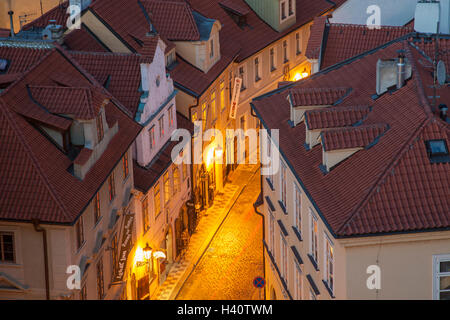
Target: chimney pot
x,y
401,70
11,21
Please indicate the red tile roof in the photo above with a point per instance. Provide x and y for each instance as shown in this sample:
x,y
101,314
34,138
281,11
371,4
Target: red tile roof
x,y
146,177
334,42
335,117
235,6
58,13
316,96
351,137
50,192
120,72
83,40
4,33
21,58
315,41
391,186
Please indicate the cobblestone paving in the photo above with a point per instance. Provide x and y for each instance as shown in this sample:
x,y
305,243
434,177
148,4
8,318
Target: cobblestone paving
x,y
234,257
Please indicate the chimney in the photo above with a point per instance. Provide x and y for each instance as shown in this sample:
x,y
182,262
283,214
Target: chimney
x,y
11,21
401,70
443,112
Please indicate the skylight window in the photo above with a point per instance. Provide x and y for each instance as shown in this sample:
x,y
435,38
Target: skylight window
x,y
3,65
438,151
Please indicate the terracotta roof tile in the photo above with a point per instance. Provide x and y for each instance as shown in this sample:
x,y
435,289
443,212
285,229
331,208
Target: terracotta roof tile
x,y
83,40
316,38
235,6
390,187
351,137
335,117
316,96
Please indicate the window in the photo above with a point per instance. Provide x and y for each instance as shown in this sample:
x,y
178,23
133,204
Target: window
x,y
312,295
145,217
437,151
97,208
213,105
222,95
158,81
285,51
242,76
284,254
166,187
329,264
283,184
100,283
114,251
151,136
176,179
283,15
298,43
313,235
100,132
83,293
271,231
269,155
125,166
157,199
441,273
171,122
298,207
79,229
170,58
161,126
273,59
7,247
298,283
204,115
112,187
257,70
211,48
231,84
291,7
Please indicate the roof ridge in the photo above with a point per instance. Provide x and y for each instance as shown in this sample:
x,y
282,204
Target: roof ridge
x,y
35,162
339,108
356,25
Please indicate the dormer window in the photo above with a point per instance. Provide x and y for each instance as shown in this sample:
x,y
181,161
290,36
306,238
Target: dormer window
x,y
211,48
3,65
437,151
100,132
287,9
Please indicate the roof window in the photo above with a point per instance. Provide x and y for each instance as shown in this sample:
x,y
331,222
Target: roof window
x,y
438,151
3,65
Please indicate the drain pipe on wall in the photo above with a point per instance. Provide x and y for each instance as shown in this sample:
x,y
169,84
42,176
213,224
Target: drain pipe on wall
x,y
38,228
255,206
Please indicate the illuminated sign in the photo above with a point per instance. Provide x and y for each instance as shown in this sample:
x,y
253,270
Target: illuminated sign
x,y
235,97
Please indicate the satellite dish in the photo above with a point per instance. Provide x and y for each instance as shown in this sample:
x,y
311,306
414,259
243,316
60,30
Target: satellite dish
x,y
441,73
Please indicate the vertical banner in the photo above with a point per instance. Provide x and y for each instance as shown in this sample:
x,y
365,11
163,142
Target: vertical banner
x,y
235,97
125,246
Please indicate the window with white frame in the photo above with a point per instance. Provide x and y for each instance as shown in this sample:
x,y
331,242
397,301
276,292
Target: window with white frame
x,y
283,13
7,252
314,230
329,263
287,9
242,74
273,59
298,47
297,208
291,8
258,67
283,184
271,231
298,282
161,126
441,275
151,136
284,256
171,116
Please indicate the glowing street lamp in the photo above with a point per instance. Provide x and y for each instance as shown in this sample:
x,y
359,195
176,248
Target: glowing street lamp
x,y
147,252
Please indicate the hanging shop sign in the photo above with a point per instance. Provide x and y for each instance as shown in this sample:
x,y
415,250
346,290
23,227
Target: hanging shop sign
x,y
235,97
125,246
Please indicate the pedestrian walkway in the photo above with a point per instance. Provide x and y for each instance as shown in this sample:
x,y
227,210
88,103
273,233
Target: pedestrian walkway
x,y
205,231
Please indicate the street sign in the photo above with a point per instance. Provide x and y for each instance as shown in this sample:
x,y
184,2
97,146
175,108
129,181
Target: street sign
x,y
259,282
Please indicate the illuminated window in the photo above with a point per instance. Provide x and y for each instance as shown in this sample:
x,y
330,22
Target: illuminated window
x,y
100,132
7,247
97,208
145,216
176,179
329,264
213,105
157,199
222,95
112,187
171,122
125,166
166,187
204,115
100,280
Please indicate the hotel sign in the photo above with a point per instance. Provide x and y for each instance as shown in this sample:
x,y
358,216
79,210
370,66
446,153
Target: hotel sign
x,y
125,246
235,97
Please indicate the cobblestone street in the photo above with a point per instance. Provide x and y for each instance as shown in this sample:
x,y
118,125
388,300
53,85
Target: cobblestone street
x,y
234,257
